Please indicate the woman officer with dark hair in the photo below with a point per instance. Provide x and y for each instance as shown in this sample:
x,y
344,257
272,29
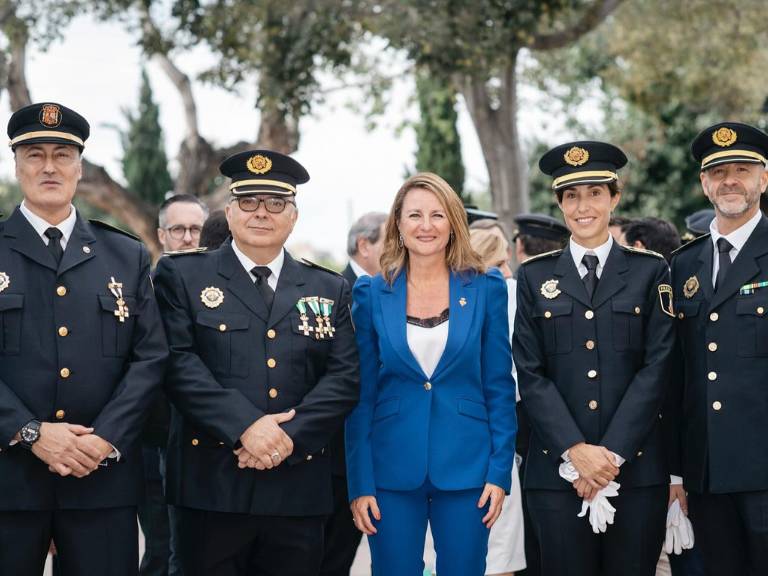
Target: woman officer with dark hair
x,y
592,343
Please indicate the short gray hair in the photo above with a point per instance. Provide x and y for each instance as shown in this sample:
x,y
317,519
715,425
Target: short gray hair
x,y
368,226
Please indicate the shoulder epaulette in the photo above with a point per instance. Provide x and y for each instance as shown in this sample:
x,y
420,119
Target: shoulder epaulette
x,y
183,252
544,255
319,267
642,251
693,242
105,226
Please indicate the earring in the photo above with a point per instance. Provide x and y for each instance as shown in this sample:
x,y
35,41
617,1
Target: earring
x,y
400,240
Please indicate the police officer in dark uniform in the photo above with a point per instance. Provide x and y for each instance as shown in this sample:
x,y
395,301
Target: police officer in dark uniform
x,y
82,350
721,289
592,343
263,370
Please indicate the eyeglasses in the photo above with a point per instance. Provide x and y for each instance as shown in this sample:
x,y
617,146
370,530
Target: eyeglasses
x,y
179,231
273,204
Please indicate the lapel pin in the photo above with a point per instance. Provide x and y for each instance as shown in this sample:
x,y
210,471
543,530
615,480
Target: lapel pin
x,y
86,249
463,301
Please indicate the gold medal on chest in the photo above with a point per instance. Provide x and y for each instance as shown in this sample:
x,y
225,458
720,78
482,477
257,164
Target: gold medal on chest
x,y
550,290
690,287
212,297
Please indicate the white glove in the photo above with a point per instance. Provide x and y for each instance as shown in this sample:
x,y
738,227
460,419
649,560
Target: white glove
x,y
679,530
601,511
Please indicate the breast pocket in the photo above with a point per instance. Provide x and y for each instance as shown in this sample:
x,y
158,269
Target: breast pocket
x,y
116,336
223,342
752,323
627,321
556,320
11,308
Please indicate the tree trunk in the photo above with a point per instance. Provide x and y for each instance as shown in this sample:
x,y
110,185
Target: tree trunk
x,y
495,120
277,131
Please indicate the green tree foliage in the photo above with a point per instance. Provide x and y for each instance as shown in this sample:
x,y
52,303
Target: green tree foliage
x,y
145,164
438,140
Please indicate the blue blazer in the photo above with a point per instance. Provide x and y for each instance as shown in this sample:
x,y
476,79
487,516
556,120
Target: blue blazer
x,y
456,428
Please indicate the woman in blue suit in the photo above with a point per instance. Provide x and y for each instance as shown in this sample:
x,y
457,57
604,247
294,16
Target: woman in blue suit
x,y
432,438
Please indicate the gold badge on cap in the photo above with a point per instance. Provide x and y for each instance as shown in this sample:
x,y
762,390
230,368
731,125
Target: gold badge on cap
x,y
5,281
550,290
259,164
665,299
724,136
212,297
576,156
50,115
690,287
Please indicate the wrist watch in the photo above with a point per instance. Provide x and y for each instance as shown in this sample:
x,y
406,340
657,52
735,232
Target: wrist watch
x,y
30,433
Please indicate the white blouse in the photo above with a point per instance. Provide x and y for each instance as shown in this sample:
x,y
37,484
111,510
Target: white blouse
x,y
427,345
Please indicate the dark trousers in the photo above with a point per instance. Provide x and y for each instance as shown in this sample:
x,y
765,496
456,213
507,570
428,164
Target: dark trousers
x,y
156,519
732,532
341,536
227,544
689,563
630,547
88,542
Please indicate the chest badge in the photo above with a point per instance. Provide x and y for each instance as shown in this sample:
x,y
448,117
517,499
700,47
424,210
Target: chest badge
x,y
550,290
5,281
212,297
304,327
690,287
116,288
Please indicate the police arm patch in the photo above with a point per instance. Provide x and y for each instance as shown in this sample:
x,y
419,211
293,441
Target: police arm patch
x,y
665,299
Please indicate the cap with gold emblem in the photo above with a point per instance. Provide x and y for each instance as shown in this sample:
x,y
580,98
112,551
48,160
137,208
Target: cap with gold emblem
x,y
263,172
730,142
583,162
47,123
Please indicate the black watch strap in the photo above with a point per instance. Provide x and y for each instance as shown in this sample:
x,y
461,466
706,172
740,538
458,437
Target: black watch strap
x,y
29,434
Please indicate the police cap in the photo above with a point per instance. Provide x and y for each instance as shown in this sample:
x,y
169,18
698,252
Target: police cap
x,y
541,226
47,123
730,142
582,162
263,172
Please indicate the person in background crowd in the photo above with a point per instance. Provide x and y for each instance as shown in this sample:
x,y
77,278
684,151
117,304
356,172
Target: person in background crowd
x,y
263,370
215,230
535,234
506,547
82,351
365,243
432,439
697,224
617,226
653,234
721,301
594,334
180,221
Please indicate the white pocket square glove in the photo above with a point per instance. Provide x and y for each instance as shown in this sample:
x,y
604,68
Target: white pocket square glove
x,y
679,530
601,512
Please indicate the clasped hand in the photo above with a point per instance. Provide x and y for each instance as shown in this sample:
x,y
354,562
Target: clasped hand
x,y
596,467
70,449
264,444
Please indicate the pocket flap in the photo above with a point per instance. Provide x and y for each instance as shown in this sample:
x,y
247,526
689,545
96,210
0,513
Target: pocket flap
x,y
552,309
386,408
687,308
109,304
11,301
217,319
627,307
752,307
473,409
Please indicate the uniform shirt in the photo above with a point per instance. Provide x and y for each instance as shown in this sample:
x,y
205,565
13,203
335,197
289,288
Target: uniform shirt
x,y
737,238
40,225
357,269
275,266
578,251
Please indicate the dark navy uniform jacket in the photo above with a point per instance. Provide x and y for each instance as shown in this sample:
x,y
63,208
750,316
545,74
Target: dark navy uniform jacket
x,y
235,362
724,342
597,371
66,357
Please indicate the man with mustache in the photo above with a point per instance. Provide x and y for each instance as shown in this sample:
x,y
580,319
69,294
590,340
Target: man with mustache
x,y
721,299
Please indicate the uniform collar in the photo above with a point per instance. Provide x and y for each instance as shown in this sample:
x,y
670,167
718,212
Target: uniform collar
x,y
40,225
275,266
602,252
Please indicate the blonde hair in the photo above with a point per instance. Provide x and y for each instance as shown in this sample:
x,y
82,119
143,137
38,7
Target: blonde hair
x,y
490,244
459,255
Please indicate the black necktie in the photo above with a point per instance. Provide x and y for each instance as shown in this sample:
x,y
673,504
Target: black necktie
x,y
724,257
590,278
262,273
54,243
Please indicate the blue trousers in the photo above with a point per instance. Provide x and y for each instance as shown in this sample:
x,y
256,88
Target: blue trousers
x,y
461,539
